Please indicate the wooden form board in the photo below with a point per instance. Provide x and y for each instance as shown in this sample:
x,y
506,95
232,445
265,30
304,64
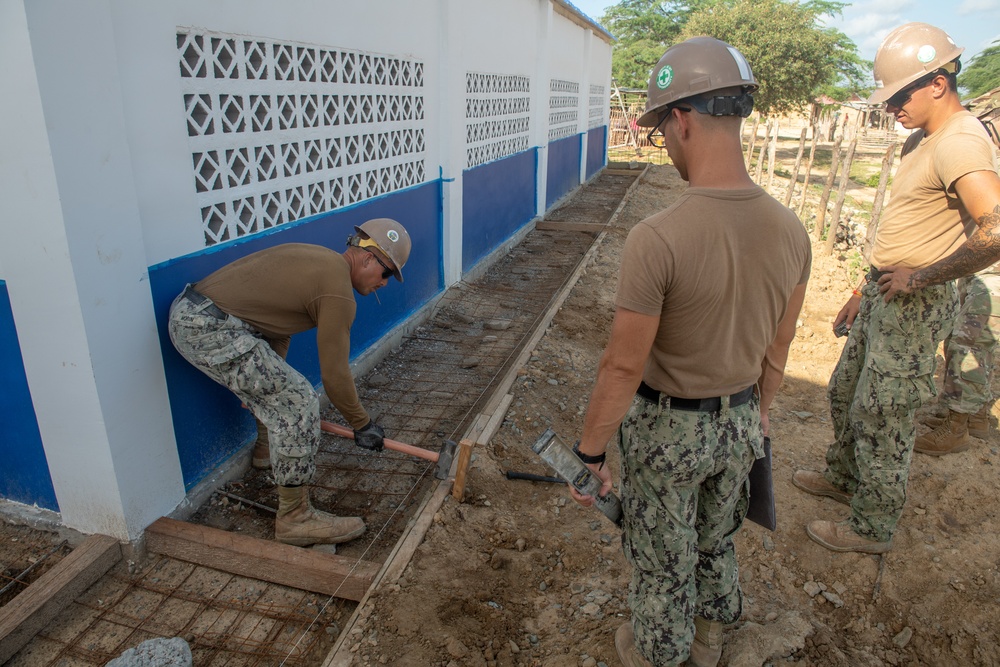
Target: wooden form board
x,y
46,597
262,559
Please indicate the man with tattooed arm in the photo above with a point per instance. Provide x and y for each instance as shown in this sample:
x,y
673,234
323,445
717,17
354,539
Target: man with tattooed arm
x,y
908,302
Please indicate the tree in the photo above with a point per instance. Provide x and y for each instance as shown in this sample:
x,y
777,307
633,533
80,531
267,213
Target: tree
x,y
982,74
791,55
644,29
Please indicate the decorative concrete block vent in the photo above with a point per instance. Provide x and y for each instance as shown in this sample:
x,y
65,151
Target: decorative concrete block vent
x,y
564,108
498,116
280,131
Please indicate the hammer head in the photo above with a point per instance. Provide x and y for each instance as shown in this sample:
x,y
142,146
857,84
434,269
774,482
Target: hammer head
x,y
445,458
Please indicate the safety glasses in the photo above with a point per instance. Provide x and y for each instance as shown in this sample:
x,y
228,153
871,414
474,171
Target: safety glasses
x,y
386,271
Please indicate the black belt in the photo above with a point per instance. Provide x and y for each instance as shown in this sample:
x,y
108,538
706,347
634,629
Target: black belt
x,y
873,275
695,404
197,299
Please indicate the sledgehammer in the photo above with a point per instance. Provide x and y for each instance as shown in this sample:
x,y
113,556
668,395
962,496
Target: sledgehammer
x,y
442,458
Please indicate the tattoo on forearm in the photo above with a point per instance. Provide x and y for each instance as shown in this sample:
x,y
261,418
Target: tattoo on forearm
x,y
980,251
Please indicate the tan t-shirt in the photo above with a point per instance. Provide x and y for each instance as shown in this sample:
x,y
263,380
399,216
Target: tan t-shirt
x,y
923,221
292,288
718,268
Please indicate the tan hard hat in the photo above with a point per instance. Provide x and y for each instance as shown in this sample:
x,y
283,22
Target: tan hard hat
x,y
693,67
909,52
390,237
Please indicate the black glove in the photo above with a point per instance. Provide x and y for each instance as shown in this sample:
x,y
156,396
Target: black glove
x,y
370,437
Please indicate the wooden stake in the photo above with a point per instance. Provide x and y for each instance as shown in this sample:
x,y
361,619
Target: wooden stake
x,y
795,170
464,458
845,177
753,139
821,211
771,149
809,168
759,171
883,181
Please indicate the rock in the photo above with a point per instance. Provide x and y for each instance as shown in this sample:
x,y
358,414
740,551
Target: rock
x,y
589,662
833,598
498,325
173,652
514,648
811,588
470,362
771,617
591,609
903,638
456,648
520,544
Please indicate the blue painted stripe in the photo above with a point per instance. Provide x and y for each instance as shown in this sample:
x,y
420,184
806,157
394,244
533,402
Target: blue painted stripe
x,y
597,150
564,168
498,199
24,475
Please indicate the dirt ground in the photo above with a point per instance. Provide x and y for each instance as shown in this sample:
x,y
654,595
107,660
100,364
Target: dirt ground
x,y
521,575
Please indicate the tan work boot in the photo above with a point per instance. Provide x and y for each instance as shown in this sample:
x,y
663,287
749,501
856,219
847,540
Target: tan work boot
x,y
950,437
935,416
979,423
261,457
628,652
706,650
838,537
299,524
815,483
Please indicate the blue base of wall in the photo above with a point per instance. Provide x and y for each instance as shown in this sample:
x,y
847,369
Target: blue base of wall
x,y
497,199
597,150
24,475
564,168
209,424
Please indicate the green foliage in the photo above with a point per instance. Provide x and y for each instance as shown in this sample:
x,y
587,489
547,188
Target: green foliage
x,y
793,56
790,56
982,74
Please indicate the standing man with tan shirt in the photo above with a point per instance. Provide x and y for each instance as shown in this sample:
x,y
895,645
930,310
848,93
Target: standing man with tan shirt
x,y
909,303
235,326
700,319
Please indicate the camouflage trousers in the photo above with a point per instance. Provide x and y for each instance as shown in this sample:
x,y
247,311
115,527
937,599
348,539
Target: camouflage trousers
x,y
968,350
685,493
885,372
235,355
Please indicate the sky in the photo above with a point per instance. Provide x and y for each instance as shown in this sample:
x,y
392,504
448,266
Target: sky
x,y
974,24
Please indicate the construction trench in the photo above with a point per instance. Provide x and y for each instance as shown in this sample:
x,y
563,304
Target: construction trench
x,y
218,580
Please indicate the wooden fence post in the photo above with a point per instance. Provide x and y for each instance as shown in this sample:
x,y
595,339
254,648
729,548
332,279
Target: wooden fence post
x,y
795,170
772,147
845,177
759,171
821,211
753,139
809,168
883,181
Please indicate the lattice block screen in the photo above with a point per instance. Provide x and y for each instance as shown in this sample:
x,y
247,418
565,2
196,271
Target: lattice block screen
x,y
497,116
564,108
280,131
598,103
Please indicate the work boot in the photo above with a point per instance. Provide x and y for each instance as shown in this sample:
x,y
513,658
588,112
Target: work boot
x,y
950,437
979,423
299,524
815,483
628,652
261,457
839,537
706,650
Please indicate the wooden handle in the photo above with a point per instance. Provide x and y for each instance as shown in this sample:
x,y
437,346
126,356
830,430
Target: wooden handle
x,y
394,445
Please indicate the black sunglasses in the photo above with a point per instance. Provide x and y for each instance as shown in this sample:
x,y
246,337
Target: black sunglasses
x,y
386,271
903,96
658,140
